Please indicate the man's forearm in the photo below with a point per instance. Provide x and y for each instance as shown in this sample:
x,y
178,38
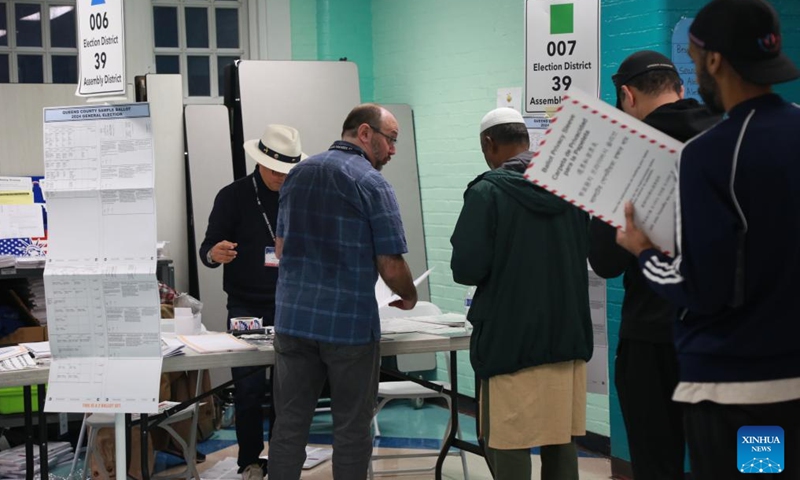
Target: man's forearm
x,y
395,272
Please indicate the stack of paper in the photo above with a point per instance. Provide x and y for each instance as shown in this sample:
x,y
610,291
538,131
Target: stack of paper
x,y
38,349
30,262
215,343
171,347
15,358
445,319
7,261
407,325
12,461
39,309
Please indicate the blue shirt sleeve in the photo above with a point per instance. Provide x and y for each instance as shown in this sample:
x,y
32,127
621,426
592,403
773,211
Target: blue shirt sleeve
x,y
280,228
383,213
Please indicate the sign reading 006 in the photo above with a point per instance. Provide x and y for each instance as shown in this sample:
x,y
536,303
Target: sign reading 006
x,y
101,47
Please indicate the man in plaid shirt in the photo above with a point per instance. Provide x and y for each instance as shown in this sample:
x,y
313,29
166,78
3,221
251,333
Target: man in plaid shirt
x,y
339,227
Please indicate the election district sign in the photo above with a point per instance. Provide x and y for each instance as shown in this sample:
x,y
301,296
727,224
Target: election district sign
x,y
101,48
562,51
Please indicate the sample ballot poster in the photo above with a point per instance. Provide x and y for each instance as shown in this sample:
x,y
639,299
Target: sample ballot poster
x,y
102,294
597,158
597,368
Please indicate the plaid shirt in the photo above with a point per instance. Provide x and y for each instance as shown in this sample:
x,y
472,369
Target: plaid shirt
x,y
337,213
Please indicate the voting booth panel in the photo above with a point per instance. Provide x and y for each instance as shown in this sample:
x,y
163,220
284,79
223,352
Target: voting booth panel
x,y
210,169
164,93
313,97
403,173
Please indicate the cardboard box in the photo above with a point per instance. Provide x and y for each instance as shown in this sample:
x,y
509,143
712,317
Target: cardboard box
x,y
25,335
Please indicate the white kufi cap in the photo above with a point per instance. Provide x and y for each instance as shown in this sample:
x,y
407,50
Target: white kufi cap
x,y
499,116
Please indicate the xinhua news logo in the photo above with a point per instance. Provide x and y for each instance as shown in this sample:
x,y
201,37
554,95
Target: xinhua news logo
x,y
760,449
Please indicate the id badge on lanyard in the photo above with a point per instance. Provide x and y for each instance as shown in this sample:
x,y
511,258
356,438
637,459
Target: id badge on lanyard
x,y
270,259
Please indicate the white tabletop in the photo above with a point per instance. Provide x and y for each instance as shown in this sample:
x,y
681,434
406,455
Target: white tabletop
x,y
265,355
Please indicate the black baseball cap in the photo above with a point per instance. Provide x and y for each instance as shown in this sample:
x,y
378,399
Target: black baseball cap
x,y
748,34
638,64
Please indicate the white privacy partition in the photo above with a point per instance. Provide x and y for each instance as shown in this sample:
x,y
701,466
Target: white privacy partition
x,y
313,97
403,174
164,93
210,169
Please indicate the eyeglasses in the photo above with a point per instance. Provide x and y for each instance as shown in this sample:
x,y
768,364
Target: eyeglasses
x,y
392,140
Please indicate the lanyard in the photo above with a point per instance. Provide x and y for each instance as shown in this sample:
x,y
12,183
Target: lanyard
x,y
349,148
260,207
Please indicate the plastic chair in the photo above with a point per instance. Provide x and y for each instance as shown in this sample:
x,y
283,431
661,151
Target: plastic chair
x,y
95,421
388,391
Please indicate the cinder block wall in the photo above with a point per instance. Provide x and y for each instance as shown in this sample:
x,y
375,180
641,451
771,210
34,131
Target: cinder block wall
x,y
447,58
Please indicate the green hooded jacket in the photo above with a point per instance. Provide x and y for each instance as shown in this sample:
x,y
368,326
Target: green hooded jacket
x,y
525,249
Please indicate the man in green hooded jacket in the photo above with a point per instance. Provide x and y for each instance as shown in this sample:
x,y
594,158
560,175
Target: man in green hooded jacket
x,y
525,249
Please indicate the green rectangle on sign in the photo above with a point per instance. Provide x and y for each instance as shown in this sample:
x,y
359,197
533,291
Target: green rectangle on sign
x,y
562,18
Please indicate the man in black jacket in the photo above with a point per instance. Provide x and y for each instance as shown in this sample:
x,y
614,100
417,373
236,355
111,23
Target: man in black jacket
x,y
241,238
648,88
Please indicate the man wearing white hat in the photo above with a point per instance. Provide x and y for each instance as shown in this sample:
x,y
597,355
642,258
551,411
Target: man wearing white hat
x,y
241,236
525,249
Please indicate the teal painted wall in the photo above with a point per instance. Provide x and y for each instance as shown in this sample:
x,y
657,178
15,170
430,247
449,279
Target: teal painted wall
x,y
344,29
304,29
447,58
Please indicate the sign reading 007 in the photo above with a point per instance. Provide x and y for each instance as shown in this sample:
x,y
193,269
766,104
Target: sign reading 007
x,y
101,47
562,51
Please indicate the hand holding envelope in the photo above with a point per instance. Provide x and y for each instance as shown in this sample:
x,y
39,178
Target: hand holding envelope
x,y
598,158
631,238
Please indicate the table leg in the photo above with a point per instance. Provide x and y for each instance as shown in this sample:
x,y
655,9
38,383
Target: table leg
x,y
478,422
26,395
271,409
143,423
43,467
119,437
453,415
128,442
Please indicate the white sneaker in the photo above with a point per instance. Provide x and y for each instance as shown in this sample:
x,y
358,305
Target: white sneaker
x,y
253,472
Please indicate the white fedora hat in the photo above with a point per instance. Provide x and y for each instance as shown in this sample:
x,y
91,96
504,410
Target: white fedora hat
x,y
278,149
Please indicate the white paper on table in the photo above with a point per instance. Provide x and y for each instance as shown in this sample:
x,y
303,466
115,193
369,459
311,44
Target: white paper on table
x,y
13,351
38,349
384,294
408,325
102,384
444,319
597,158
215,342
21,221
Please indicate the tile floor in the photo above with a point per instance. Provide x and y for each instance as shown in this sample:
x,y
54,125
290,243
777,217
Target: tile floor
x,y
404,429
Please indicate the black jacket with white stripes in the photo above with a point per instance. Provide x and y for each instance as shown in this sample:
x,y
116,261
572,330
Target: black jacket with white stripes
x,y
737,274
